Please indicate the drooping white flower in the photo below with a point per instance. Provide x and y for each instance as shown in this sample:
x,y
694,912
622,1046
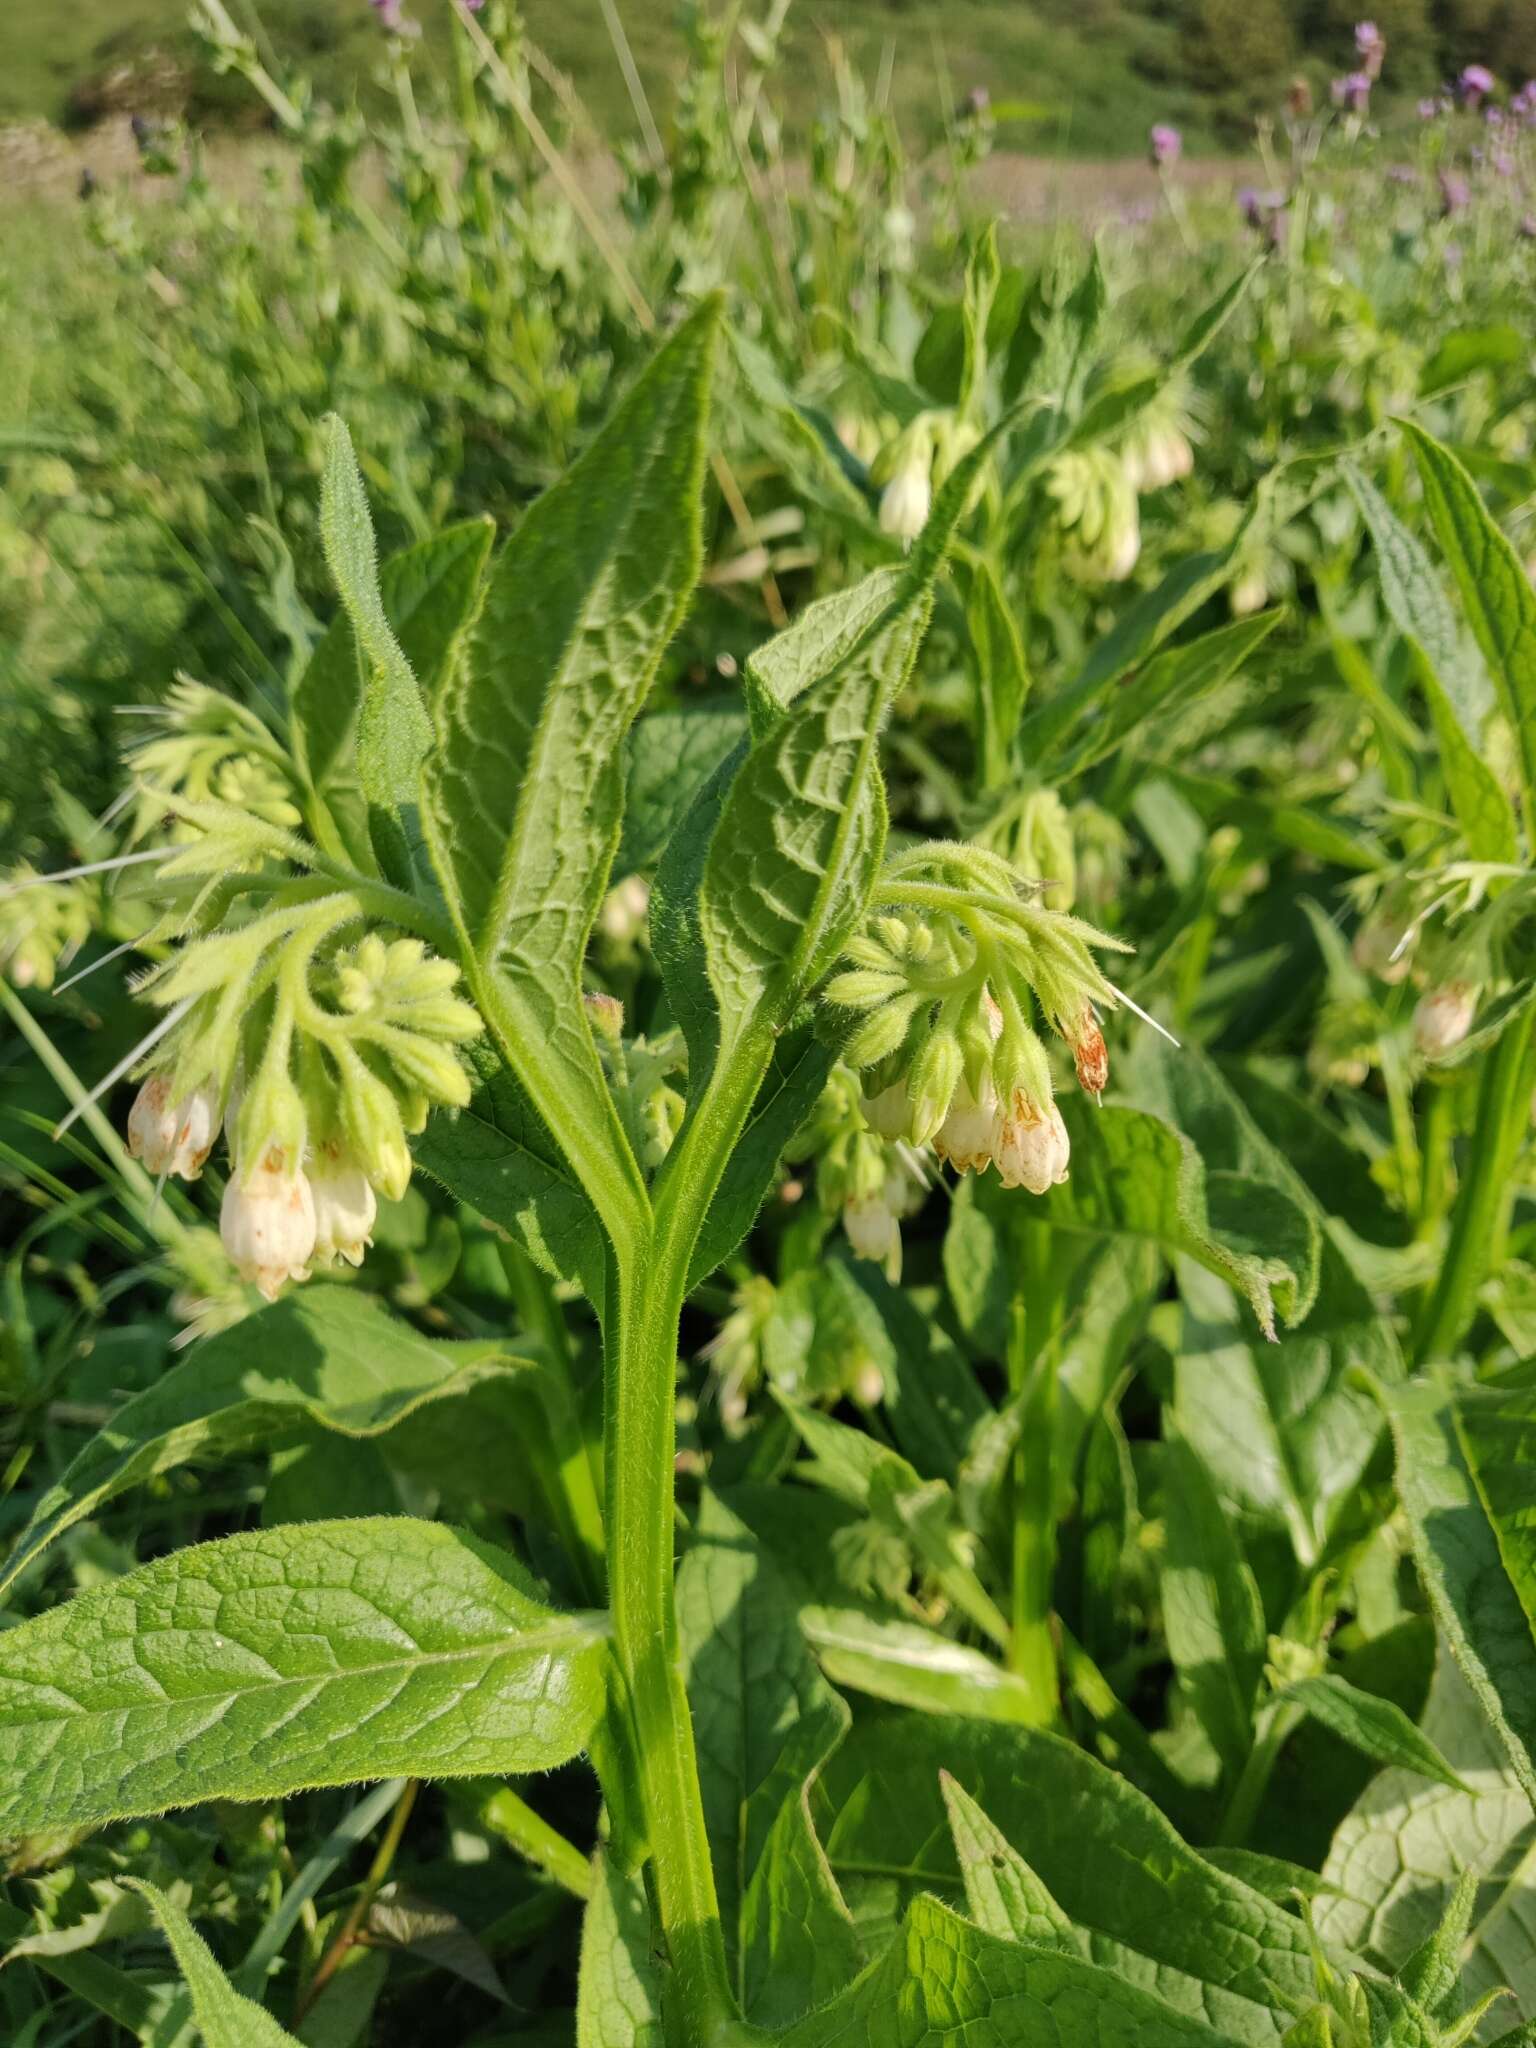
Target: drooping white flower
x,y
1444,1016
872,1229
907,500
267,1223
969,1134
1033,1148
172,1137
345,1209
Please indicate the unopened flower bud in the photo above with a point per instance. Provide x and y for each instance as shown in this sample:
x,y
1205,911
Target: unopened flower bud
x,y
272,1126
888,1113
881,1034
374,1132
1033,1147
345,1207
931,1084
1444,1017
605,1014
267,1223
1383,948
172,1137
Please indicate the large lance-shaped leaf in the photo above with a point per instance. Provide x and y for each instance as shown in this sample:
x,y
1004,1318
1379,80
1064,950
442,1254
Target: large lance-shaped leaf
x,y
313,1654
764,1720
1463,1473
324,1357
394,731
945,1984
1495,589
1453,680
525,791
1397,1854
225,2018
1213,1616
427,593
1153,1910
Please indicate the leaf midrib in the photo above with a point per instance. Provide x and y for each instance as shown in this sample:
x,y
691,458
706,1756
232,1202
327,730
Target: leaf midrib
x,y
573,1630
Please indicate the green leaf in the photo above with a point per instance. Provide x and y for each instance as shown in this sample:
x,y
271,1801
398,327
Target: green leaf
x,y
497,1155
1397,1855
225,2018
524,794
946,1984
797,1073
1154,1912
314,1654
1002,1894
996,649
1213,1617
800,836
1459,1489
817,641
1115,408
1170,682
901,1661
1463,350
1376,1727
1453,680
618,1990
1133,1175
325,1356
764,1722
394,733
427,593
672,754
1495,589
1291,1436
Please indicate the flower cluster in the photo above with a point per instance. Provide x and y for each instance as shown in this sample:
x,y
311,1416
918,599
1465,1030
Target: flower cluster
x,y
912,464
42,924
206,749
944,981
315,1058
1096,514
1391,946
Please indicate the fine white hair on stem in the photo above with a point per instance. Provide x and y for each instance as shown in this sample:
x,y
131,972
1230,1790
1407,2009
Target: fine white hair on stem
x,y
90,867
130,1059
1137,1011
106,960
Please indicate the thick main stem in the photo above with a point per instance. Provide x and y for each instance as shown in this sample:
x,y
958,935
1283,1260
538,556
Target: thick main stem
x,y
1503,1107
640,1447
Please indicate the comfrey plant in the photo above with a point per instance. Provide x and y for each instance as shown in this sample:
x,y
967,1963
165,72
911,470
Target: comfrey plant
x,y
401,927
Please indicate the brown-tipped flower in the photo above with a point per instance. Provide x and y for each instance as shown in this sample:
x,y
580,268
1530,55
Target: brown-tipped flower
x,y
1091,1055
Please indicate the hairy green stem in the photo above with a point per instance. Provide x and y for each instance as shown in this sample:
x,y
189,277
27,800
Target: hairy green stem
x,y
1503,1110
640,1443
1032,1647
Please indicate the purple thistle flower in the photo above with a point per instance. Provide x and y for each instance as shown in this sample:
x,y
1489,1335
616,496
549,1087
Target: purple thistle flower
x,y
1523,105
1371,47
1494,116
1503,163
393,19
1353,93
1474,85
1430,110
1165,144
1455,194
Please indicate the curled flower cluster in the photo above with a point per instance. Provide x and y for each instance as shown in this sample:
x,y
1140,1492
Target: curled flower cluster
x,y
315,1060
206,749
42,924
944,983
1096,514
911,466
